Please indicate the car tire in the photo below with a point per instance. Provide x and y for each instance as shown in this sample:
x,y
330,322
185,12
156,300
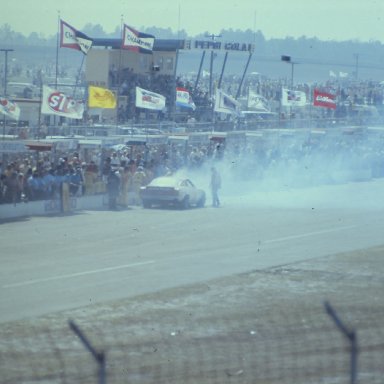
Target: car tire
x,y
185,204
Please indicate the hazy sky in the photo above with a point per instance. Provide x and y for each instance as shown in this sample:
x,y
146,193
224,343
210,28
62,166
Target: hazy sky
x,y
325,19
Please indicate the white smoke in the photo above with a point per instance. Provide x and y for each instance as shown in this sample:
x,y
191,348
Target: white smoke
x,y
300,171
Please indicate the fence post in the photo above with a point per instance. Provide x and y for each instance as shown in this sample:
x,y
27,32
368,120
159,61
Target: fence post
x,y
98,356
352,338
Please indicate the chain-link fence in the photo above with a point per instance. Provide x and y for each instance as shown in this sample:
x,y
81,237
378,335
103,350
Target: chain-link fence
x,y
325,344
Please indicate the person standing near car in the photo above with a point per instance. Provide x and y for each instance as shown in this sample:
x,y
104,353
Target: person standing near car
x,y
215,185
113,188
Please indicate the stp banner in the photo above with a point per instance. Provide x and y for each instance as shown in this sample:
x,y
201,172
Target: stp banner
x,y
58,103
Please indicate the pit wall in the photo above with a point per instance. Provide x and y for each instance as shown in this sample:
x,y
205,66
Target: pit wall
x,y
49,207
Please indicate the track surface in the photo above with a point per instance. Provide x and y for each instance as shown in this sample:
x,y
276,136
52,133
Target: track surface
x,y
49,264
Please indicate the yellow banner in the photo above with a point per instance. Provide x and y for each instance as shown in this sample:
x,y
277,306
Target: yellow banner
x,y
101,98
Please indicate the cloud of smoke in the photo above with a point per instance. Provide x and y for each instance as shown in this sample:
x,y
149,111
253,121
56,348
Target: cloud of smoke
x,y
297,169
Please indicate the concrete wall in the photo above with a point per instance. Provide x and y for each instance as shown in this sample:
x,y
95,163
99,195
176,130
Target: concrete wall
x,y
48,207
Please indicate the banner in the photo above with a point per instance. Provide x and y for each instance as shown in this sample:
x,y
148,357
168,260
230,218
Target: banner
x,y
225,103
72,38
257,102
291,98
9,108
101,98
137,41
58,103
149,100
214,45
184,99
324,99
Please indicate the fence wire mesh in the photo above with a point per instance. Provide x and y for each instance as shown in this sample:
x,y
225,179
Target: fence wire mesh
x,y
169,347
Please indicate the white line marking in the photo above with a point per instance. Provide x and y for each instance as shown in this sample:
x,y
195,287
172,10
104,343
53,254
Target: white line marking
x,y
310,234
77,274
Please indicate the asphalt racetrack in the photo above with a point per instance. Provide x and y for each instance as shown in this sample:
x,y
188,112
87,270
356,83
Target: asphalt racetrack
x,y
56,263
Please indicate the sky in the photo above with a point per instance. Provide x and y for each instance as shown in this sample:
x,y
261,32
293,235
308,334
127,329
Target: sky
x,y
339,20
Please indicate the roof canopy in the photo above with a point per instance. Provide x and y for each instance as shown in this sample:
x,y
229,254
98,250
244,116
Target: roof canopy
x,y
159,45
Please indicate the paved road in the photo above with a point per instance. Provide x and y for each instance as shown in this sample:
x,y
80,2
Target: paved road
x,y
49,264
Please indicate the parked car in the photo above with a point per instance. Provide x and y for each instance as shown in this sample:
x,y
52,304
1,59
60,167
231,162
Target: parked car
x,y
168,190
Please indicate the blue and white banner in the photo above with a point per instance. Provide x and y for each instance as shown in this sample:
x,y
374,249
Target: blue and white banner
x,y
184,99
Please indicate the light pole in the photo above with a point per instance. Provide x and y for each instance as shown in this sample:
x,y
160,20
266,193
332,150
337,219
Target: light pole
x,y
213,37
287,59
5,50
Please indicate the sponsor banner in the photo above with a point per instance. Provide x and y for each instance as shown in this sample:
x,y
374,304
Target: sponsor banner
x,y
257,102
324,99
101,98
137,41
72,38
184,99
9,108
291,98
225,103
12,147
218,45
55,102
149,100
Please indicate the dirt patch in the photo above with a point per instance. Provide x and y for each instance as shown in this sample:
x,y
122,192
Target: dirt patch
x,y
267,326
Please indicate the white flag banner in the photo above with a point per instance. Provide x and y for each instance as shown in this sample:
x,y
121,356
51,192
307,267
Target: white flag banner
x,y
225,103
137,41
9,108
72,38
58,103
257,102
291,98
149,100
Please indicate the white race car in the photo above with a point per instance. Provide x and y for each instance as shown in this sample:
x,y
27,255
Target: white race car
x,y
168,190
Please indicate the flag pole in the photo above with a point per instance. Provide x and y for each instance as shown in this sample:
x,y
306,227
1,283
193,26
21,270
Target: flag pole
x,y
119,69
78,76
243,77
57,48
57,55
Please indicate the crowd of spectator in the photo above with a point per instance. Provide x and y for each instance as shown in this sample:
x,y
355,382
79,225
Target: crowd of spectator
x,y
297,159
26,178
